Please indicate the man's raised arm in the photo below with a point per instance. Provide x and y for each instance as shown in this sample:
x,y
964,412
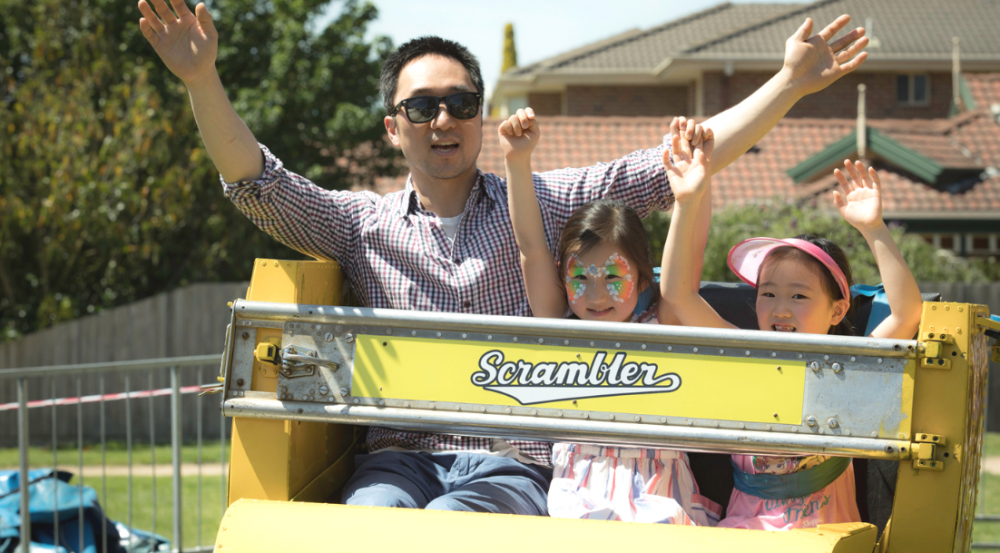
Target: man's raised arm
x,y
812,63
188,44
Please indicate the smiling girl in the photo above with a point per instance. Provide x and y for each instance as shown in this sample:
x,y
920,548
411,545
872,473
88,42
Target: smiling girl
x,y
604,262
803,285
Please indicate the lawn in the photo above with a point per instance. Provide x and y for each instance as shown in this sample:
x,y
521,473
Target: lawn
x,y
116,454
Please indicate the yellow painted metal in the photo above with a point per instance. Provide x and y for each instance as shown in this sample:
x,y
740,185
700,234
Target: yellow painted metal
x,y
251,525
756,390
267,353
947,404
278,459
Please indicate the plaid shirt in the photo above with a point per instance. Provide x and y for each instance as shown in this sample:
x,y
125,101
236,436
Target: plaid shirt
x,y
396,255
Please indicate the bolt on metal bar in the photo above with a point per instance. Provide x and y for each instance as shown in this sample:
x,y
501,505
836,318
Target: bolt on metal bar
x,y
128,449
175,451
22,454
57,537
79,456
104,472
198,426
152,449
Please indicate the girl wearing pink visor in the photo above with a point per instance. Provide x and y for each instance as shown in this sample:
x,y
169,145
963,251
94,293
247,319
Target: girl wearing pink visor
x,y
803,285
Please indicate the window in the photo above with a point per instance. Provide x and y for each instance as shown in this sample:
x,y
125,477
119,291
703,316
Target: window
x,y
983,244
913,90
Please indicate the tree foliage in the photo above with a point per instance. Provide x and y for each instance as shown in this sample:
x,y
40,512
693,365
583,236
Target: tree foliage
x,y
108,194
780,219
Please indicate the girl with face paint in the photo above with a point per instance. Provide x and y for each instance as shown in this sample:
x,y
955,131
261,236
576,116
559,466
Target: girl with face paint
x,y
604,263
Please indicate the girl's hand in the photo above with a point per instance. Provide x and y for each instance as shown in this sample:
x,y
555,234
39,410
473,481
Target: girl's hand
x,y
691,149
860,197
518,135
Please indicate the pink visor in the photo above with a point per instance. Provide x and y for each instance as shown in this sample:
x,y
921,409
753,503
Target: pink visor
x,y
746,258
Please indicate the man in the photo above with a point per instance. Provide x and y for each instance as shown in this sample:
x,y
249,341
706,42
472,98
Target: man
x,y
445,243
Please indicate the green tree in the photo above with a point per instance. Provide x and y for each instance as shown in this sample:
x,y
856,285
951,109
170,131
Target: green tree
x,y
509,49
107,192
781,219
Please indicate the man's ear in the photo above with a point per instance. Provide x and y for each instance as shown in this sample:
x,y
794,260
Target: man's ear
x,y
840,308
391,129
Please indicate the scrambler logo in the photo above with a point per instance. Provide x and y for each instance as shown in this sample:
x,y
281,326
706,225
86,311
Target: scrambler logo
x,y
545,382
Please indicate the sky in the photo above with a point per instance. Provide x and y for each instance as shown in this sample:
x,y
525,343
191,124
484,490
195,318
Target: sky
x,y
542,29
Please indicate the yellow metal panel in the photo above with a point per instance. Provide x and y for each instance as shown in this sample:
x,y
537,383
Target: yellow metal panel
x,y
251,525
417,369
277,459
944,404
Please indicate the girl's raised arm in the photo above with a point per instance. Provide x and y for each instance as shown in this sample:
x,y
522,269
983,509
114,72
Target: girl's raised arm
x,y
860,203
689,179
546,296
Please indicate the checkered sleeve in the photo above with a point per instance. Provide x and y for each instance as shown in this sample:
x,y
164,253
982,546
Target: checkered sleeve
x,y
638,179
315,221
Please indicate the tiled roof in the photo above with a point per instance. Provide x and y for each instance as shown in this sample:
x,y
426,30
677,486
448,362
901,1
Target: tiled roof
x,y
900,29
984,87
643,51
969,141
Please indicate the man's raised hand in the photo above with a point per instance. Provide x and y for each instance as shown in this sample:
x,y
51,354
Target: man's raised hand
x,y
813,62
518,135
187,42
689,159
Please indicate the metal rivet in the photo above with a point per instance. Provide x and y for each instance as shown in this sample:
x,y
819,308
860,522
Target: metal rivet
x,y
514,339
795,429
663,420
837,368
902,436
356,400
814,366
767,427
612,417
331,399
541,340
694,350
643,346
826,357
888,449
618,344
690,423
715,424
774,354
275,263
464,335
381,402
722,351
349,338
534,412
779,367
747,353
240,382
263,263
431,406
586,415
822,431
775,415
438,334
406,404
323,390
388,331
507,410
565,342
847,432
638,419
413,333
880,360
800,356
811,420
947,308
742,426
458,407
483,409
558,413
874,434
832,422
489,336
246,335
670,348
853,359
591,344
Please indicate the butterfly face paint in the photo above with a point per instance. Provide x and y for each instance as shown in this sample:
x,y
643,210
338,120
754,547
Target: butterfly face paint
x,y
615,275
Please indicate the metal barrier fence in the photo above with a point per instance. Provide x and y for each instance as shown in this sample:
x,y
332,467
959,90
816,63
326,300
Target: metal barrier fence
x,y
36,388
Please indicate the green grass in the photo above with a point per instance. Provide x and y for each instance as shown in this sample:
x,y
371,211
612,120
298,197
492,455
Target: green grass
x,y
991,445
989,503
117,454
116,505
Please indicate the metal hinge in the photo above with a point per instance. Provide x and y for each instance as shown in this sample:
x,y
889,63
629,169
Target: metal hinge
x,y
933,348
292,361
924,451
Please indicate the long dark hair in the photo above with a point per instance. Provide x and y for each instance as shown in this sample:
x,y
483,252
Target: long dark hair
x,y
616,223
830,286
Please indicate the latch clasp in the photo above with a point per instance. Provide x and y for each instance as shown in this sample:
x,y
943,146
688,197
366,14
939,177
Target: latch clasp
x,y
924,450
933,349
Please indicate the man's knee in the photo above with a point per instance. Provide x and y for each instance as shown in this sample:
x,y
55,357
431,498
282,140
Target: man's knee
x,y
380,495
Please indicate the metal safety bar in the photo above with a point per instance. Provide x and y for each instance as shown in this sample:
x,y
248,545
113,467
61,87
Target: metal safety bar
x,y
76,373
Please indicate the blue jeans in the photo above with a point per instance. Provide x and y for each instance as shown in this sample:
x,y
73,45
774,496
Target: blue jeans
x,y
448,482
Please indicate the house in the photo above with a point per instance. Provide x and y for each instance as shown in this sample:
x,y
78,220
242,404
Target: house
x,y
934,139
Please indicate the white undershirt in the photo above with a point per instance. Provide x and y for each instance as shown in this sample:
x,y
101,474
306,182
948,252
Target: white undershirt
x,y
450,225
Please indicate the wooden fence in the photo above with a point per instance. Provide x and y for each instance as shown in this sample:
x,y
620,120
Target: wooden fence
x,y
188,321
192,321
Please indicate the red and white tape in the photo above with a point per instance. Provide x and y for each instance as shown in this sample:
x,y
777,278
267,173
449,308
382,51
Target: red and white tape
x,y
97,398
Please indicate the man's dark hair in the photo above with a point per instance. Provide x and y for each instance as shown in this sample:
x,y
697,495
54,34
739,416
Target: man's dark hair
x,y
419,47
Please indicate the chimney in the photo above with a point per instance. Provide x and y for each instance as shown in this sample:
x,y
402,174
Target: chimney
x,y
862,132
956,76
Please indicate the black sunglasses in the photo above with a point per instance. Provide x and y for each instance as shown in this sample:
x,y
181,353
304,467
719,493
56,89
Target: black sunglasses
x,y
421,109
